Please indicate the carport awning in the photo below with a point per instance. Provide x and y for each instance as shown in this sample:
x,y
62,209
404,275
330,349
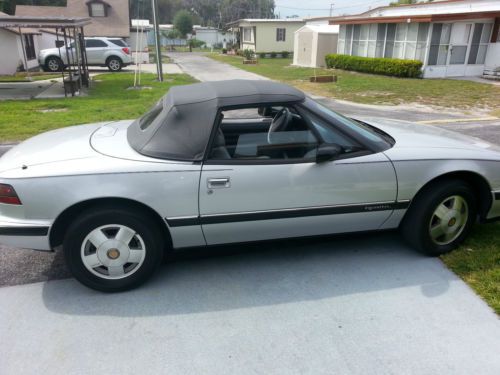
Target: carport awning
x,y
43,22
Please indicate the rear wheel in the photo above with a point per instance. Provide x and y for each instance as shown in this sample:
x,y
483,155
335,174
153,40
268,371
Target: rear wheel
x,y
114,64
113,250
53,64
440,218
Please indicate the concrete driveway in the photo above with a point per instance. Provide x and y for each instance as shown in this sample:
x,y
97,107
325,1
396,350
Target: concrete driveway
x,y
351,305
360,304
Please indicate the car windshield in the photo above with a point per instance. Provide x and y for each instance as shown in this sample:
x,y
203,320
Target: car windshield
x,y
359,128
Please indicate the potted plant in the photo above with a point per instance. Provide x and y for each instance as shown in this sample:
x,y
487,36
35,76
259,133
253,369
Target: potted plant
x,y
249,57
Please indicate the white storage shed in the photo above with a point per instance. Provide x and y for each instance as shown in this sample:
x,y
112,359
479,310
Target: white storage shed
x,y
312,43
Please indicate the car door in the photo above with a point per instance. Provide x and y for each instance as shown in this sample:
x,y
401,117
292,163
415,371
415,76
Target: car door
x,y
95,51
251,197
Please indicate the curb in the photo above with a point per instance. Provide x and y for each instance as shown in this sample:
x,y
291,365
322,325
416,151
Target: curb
x,y
453,120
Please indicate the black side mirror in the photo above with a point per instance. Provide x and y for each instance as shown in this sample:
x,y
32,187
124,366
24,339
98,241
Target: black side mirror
x,y
59,43
328,152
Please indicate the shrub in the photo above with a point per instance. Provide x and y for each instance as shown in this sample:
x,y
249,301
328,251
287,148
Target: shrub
x,y
285,54
224,51
262,55
273,55
376,65
249,54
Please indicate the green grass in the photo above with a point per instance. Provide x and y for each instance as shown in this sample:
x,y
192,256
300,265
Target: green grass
x,y
24,78
477,262
108,99
375,89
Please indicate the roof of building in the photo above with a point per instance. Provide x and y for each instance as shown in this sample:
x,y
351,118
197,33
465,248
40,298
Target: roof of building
x,y
189,112
426,12
31,25
266,20
116,24
321,29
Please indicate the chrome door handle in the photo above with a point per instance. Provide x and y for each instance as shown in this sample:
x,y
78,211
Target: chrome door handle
x,y
218,183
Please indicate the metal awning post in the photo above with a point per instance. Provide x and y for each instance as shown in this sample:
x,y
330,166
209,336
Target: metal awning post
x,y
24,53
60,57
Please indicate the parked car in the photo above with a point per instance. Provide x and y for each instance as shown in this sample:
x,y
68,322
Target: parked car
x,y
231,162
111,52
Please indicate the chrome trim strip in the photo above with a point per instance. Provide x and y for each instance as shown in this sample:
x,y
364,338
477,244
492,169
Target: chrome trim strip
x,y
287,213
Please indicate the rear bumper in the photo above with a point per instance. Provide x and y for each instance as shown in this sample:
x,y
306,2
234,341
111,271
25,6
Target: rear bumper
x,y
27,234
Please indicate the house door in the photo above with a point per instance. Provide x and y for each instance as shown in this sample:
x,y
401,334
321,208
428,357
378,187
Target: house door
x,y
458,50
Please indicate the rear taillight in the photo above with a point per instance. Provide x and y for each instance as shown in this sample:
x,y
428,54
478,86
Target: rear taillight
x,y
8,195
126,50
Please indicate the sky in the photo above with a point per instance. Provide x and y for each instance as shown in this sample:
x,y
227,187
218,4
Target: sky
x,y
316,8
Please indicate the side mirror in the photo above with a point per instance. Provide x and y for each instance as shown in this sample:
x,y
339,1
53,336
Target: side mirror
x,y
59,43
328,152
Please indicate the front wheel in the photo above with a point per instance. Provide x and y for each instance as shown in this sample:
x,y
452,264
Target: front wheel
x,y
113,250
114,64
440,218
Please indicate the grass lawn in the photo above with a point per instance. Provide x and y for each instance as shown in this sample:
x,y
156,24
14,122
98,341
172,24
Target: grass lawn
x,y
375,89
108,99
477,262
22,77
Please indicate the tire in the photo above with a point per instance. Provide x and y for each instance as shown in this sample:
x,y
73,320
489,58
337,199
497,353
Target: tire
x,y
112,249
114,64
53,64
440,218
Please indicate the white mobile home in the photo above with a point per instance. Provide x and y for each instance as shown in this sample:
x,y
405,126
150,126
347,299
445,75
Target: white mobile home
x,y
266,35
452,38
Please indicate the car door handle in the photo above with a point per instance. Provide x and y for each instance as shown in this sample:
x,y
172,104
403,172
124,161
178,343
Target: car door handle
x,y
218,183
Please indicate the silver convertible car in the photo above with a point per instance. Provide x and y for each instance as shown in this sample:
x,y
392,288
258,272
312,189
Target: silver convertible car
x,y
231,162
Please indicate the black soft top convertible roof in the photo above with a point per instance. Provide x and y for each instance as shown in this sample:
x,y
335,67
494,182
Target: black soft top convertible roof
x,y
182,129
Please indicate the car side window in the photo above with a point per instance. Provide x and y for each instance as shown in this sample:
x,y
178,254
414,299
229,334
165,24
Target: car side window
x,y
329,134
92,43
281,136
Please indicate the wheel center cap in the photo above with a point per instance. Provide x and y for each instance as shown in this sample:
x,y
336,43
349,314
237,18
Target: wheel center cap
x,y
452,222
113,253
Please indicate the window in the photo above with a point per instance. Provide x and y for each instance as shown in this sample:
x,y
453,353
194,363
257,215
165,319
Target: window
x,y
479,46
242,139
440,40
29,47
280,34
93,43
247,34
147,119
97,8
118,42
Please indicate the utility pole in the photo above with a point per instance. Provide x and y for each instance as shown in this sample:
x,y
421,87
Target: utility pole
x,y
331,9
159,68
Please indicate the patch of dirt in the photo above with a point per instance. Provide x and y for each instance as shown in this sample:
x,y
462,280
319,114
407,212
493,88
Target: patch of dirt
x,y
47,110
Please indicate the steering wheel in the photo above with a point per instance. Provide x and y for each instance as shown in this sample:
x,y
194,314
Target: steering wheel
x,y
280,123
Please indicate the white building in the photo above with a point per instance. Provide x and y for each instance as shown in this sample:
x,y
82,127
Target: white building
x,y
452,38
14,46
267,35
313,42
213,37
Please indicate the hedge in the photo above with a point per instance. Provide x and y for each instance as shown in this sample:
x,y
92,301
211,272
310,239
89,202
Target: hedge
x,y
376,65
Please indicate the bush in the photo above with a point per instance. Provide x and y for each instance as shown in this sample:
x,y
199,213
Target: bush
x,y
249,54
196,43
262,55
273,55
376,65
285,54
224,51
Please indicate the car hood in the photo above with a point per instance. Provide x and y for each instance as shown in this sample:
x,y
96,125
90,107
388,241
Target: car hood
x,y
430,141
71,143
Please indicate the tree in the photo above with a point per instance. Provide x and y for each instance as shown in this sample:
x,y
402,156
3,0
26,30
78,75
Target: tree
x,y
183,22
402,2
